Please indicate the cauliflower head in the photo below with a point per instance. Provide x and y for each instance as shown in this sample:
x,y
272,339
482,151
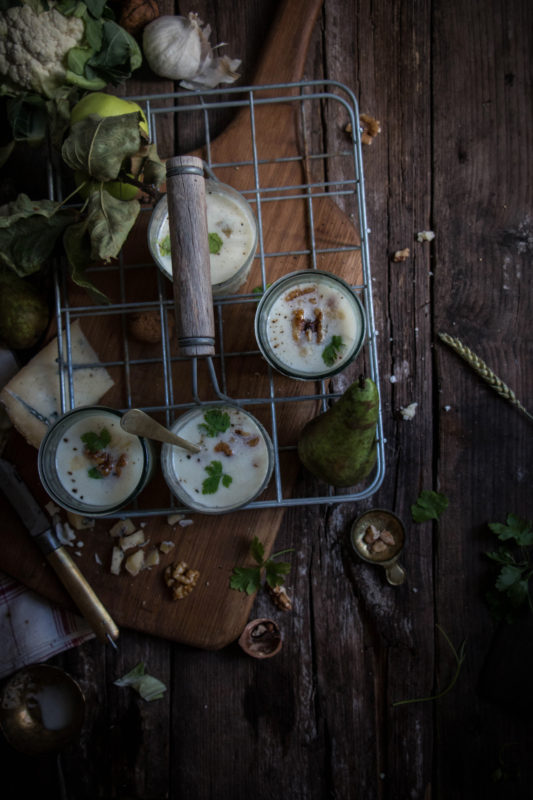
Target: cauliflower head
x,y
34,47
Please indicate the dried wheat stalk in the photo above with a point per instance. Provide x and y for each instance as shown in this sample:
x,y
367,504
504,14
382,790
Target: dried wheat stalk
x,y
485,372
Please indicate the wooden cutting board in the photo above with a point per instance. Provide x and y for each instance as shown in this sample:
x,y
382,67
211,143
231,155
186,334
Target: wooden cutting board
x,y
213,615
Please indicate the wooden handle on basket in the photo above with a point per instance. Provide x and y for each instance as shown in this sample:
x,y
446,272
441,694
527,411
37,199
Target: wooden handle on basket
x,y
189,244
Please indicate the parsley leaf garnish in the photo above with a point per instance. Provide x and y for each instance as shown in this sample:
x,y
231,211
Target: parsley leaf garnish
x,y
429,505
214,470
215,243
511,587
164,245
332,351
216,421
94,472
94,442
521,530
248,579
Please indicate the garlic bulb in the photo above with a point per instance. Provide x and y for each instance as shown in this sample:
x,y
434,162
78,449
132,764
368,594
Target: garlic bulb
x,y
178,48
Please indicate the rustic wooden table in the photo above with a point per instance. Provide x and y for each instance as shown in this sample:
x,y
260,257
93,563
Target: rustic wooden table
x,y
450,83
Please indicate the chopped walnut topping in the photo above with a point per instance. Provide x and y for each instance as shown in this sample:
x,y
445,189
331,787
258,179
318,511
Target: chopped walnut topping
x,y
388,538
249,439
180,579
280,597
307,326
297,322
378,541
223,447
299,292
104,463
401,255
371,534
370,128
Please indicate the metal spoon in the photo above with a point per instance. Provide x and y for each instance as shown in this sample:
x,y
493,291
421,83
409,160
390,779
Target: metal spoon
x,y
136,421
41,710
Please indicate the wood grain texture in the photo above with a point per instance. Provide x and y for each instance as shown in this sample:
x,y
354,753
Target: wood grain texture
x,y
450,84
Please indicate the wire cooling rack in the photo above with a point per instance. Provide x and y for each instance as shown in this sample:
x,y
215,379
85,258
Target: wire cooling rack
x,y
337,175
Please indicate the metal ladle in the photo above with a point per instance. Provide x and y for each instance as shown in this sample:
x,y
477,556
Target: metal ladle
x,y
137,422
41,710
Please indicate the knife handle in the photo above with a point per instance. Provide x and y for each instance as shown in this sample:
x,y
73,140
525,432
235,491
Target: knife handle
x,y
82,594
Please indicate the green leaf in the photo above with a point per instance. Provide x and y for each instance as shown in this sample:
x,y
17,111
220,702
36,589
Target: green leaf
x,y
509,575
28,118
429,505
94,33
246,579
164,245
98,145
214,470
215,422
501,556
518,592
109,222
153,170
94,442
29,231
332,351
77,245
77,57
215,243
118,57
275,572
96,7
249,578
149,688
521,530
95,473
257,549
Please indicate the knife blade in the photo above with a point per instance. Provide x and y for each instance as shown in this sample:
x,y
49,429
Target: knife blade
x,y
43,533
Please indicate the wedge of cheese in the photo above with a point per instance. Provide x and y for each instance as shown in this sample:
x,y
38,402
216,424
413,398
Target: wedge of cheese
x,y
32,396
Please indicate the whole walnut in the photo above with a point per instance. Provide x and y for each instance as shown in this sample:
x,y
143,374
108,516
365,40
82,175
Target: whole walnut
x,y
136,14
145,326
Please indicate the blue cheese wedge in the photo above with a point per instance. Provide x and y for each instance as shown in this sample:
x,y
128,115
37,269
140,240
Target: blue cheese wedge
x,y
32,397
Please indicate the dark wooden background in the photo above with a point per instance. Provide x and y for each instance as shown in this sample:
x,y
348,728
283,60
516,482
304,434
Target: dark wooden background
x,y
451,85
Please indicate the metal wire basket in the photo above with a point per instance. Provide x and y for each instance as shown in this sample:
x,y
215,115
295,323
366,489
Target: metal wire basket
x,y
337,175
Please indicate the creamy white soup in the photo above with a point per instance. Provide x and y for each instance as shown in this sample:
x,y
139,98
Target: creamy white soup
x,y
97,462
232,464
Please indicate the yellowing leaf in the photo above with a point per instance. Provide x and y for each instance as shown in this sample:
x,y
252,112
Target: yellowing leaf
x,y
99,145
109,222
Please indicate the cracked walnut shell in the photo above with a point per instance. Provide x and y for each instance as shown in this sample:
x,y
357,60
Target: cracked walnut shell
x,y
180,579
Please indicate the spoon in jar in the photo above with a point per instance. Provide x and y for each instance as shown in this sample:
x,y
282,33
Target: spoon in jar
x,y
137,422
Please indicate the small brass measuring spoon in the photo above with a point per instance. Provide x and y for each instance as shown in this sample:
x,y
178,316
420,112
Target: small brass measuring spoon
x,y
378,537
137,422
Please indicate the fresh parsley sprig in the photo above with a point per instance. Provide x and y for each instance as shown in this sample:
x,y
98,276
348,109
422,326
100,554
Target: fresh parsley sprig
x,y
215,243
429,505
215,421
94,442
511,587
332,351
248,579
215,477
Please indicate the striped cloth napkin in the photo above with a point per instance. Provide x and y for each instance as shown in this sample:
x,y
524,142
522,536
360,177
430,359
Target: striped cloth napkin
x,y
32,629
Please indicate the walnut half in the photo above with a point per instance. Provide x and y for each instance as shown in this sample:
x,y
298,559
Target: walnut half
x,y
180,579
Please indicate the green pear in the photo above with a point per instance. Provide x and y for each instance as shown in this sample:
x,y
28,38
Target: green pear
x,y
24,312
339,446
